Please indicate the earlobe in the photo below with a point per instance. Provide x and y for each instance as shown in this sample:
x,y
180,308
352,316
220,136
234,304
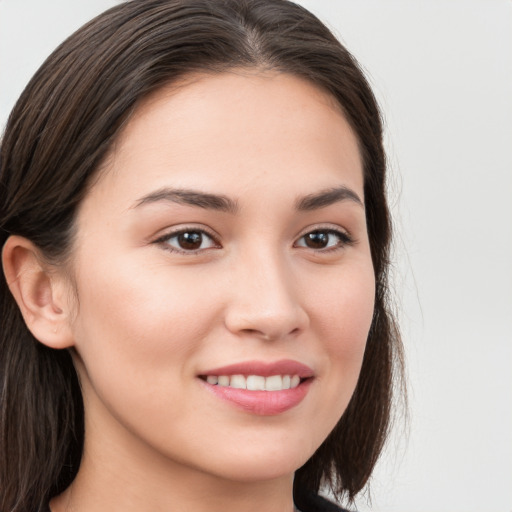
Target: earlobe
x,y
39,293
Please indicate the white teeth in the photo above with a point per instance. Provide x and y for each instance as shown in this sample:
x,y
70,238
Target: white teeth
x,y
274,383
255,382
237,381
223,380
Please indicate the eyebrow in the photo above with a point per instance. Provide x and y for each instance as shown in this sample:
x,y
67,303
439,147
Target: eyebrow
x,y
196,198
220,202
326,198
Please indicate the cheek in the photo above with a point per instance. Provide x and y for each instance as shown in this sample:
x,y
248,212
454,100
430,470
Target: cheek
x,y
136,317
343,316
344,308
138,331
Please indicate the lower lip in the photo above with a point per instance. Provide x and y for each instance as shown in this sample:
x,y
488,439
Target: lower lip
x,y
263,403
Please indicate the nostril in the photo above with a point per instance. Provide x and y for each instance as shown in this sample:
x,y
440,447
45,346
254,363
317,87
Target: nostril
x,y
268,336
253,331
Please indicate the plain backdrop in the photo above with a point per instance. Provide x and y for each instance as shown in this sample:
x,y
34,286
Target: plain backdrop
x,y
442,71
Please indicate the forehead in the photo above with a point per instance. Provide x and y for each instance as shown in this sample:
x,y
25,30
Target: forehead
x,y
259,128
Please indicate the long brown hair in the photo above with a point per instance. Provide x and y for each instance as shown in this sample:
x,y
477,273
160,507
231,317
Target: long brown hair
x,y
58,134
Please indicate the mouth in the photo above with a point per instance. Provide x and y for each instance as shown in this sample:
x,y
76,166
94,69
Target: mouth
x,y
254,382
260,388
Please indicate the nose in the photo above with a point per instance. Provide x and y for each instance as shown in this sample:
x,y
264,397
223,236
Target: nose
x,y
265,301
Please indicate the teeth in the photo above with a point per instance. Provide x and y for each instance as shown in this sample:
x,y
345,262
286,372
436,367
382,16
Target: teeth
x,y
237,381
223,380
255,382
274,383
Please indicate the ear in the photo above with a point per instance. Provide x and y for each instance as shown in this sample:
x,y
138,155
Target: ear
x,y
42,294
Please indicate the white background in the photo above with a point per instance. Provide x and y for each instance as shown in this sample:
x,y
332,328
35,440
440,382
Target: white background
x,y
442,71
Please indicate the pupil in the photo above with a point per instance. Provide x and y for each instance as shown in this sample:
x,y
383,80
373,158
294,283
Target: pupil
x,y
317,239
190,240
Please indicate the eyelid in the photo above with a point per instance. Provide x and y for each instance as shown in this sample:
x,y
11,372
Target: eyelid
x,y
325,227
177,230
346,238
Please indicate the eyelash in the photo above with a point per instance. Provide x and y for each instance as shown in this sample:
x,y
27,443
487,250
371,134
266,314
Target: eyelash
x,y
164,240
344,240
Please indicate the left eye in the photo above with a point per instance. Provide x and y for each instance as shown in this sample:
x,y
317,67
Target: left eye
x,y
189,240
323,239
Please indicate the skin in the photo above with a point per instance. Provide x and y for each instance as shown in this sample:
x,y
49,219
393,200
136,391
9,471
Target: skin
x,y
146,317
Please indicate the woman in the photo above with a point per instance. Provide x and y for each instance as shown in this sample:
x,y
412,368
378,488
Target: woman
x,y
195,245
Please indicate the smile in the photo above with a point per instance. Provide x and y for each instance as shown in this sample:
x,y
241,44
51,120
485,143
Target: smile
x,y
255,382
260,388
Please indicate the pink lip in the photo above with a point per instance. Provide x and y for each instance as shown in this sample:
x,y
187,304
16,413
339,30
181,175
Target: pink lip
x,y
265,369
263,403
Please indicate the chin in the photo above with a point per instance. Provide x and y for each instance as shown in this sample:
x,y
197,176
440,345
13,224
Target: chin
x,y
261,464
251,472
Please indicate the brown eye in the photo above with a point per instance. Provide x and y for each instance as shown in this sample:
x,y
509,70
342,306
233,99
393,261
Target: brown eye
x,y
317,239
189,241
324,239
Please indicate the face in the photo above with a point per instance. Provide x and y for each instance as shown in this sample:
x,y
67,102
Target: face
x,y
224,247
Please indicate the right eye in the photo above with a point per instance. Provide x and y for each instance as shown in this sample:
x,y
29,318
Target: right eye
x,y
188,241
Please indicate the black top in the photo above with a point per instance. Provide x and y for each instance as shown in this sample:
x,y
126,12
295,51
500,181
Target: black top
x,y
315,503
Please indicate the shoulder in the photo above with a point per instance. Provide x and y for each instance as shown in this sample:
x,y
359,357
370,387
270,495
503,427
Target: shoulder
x,y
315,503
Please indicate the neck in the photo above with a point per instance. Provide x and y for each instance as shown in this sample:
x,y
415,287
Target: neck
x,y
194,497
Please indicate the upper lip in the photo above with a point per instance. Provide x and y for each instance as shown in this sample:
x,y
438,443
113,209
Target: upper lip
x,y
263,368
